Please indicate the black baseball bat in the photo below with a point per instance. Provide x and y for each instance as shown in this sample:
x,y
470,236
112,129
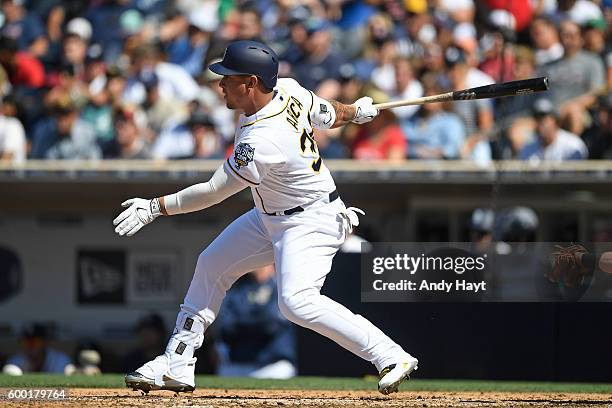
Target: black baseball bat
x,y
512,88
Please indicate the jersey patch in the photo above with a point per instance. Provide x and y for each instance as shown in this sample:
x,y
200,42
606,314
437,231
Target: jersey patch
x,y
243,155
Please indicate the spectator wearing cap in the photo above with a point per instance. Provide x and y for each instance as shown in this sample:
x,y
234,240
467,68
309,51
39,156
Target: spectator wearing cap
x,y
74,51
131,134
477,115
27,29
298,34
36,356
189,50
435,132
208,143
545,38
194,138
23,68
12,139
319,61
160,110
64,135
575,80
552,143
151,336
594,32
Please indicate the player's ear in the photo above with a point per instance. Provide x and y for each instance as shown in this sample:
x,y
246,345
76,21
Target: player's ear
x,y
252,82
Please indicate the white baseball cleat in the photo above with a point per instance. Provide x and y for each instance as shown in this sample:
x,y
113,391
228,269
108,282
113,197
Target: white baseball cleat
x,y
392,376
163,373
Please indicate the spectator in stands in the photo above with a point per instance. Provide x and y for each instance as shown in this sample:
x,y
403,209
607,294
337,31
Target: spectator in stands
x,y
99,112
595,37
174,80
435,132
12,139
255,339
319,61
25,28
36,355
132,138
189,50
552,143
477,115
382,138
545,38
575,80
23,68
75,52
64,135
406,87
515,114
208,143
151,332
160,110
106,18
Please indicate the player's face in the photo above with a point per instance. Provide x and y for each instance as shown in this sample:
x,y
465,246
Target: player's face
x,y
235,90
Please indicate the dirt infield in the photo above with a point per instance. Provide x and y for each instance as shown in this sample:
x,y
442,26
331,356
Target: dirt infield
x,y
209,398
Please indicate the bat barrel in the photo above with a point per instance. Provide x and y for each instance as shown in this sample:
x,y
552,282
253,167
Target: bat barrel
x,y
513,88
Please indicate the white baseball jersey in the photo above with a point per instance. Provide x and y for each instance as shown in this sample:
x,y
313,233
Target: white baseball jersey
x,y
275,151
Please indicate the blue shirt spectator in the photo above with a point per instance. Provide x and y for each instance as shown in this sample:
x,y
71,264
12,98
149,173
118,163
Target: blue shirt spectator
x,y
440,135
434,132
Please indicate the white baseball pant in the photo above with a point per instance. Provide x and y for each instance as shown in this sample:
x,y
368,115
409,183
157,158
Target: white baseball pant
x,y
301,246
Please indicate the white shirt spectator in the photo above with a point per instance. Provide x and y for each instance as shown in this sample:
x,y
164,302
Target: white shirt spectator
x,y
175,141
12,139
412,91
566,146
174,81
553,53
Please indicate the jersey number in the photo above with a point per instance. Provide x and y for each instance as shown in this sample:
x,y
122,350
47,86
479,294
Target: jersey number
x,y
309,148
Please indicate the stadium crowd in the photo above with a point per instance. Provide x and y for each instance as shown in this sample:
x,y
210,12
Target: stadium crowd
x,y
127,79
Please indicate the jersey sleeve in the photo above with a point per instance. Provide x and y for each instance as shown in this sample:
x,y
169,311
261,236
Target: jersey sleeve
x,y
322,113
253,158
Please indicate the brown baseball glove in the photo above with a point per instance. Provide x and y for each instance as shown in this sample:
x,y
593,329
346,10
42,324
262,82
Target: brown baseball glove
x,y
567,265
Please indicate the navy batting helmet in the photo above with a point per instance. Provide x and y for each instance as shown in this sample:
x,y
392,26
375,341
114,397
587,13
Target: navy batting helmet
x,y
249,58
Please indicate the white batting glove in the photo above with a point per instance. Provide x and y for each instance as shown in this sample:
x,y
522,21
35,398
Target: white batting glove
x,y
365,110
140,213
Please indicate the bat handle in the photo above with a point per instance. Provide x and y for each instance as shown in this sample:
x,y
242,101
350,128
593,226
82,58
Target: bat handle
x,y
418,101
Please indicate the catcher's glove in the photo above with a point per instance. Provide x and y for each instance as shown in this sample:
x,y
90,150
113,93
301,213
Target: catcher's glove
x,y
568,265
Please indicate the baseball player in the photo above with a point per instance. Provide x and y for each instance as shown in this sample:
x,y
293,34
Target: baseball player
x,y
298,223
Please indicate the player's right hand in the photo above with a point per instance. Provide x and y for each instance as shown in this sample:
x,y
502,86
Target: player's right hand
x,y
365,110
139,213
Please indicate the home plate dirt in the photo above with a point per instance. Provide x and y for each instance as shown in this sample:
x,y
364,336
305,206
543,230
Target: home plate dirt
x,y
209,398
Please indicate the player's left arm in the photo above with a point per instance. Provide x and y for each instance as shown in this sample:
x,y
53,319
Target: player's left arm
x,y
141,212
332,114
